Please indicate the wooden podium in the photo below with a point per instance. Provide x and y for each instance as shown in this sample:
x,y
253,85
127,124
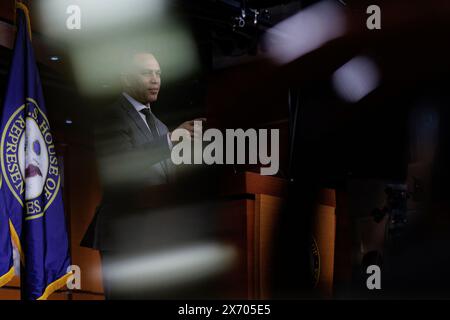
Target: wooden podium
x,y
248,211
246,214
253,204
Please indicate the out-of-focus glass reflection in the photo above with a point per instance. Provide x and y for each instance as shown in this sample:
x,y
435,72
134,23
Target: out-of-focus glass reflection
x,y
170,268
356,79
99,16
305,31
109,30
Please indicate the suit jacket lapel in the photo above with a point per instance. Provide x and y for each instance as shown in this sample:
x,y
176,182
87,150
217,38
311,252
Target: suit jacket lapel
x,y
133,114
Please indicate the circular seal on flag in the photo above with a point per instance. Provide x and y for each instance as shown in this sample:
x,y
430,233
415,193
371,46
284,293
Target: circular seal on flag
x,y
28,159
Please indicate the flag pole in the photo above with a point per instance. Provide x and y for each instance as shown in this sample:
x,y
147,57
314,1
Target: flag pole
x,y
24,8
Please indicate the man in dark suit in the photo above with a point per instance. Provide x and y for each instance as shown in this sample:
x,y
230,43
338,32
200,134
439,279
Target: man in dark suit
x,y
133,152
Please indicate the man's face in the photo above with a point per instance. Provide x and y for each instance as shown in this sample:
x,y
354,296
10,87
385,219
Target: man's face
x,y
145,79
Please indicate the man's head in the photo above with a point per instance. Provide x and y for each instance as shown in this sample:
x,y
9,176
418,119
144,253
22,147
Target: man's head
x,y
142,77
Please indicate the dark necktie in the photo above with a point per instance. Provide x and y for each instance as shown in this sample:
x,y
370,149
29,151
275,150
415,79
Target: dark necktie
x,y
151,122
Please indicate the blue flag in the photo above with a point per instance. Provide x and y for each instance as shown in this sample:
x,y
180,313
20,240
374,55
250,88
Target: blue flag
x,y
31,191
6,254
